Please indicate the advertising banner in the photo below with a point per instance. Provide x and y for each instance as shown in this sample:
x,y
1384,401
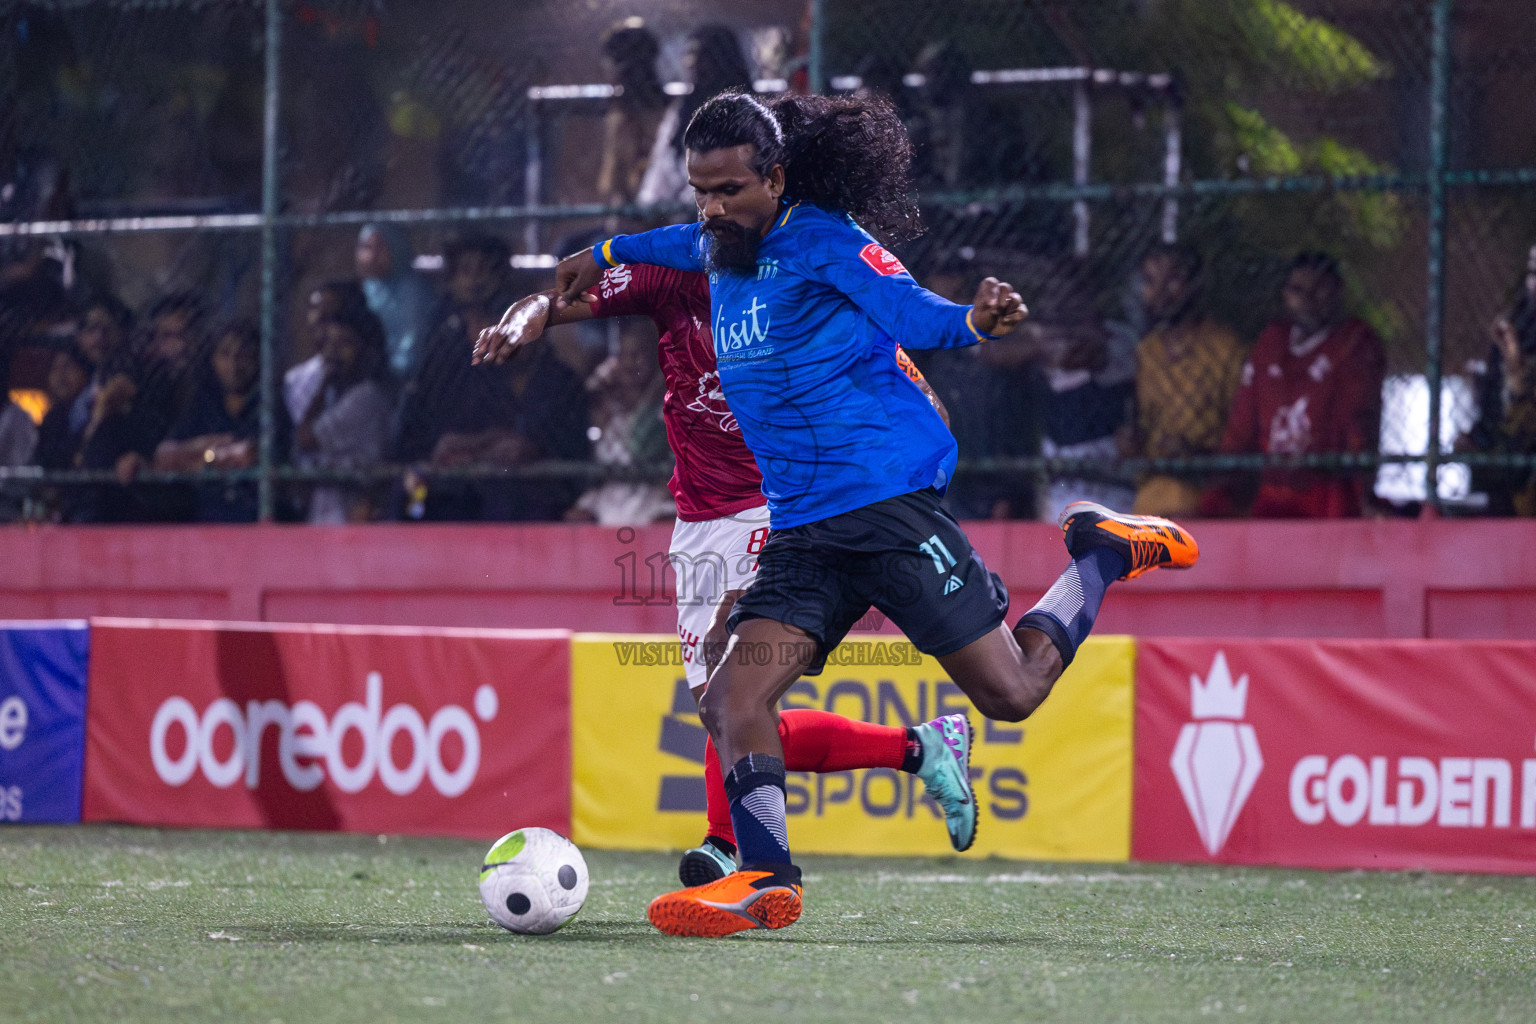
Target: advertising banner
x,y
1054,787
359,729
1337,754
42,719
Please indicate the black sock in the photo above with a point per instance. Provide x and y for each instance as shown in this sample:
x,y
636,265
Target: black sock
x,y
914,757
1067,611
755,786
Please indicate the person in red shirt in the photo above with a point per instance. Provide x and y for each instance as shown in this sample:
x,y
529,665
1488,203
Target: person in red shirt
x,y
1311,385
722,523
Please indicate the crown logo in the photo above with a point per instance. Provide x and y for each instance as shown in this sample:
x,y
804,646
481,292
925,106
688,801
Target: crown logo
x,y
1217,696
1216,763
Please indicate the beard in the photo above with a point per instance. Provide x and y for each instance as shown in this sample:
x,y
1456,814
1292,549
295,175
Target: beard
x,y
732,248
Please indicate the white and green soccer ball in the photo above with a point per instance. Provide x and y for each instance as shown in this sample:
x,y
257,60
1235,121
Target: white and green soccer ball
x,y
533,881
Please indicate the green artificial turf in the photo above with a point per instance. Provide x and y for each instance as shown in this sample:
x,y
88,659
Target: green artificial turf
x,y
122,924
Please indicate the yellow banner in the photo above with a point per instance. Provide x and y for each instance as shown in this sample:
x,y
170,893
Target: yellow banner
x,y
1056,787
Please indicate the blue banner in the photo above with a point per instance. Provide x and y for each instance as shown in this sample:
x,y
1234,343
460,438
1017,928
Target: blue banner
x,y
42,719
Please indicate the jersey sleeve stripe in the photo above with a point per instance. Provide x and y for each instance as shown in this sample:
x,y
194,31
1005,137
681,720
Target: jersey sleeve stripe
x,y
604,254
980,334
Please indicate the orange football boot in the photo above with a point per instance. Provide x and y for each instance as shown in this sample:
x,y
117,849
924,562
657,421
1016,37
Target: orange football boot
x,y
737,902
1145,542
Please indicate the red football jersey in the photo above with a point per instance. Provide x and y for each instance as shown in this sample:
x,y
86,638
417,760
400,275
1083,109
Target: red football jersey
x,y
715,474
1327,399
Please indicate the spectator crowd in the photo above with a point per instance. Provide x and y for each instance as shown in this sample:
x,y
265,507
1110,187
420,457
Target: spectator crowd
x,y
388,381
381,416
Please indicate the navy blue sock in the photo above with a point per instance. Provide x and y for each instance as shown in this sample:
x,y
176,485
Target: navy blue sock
x,y
1066,612
755,787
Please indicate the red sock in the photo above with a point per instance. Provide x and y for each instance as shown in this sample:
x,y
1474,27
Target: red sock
x,y
717,809
819,741
814,741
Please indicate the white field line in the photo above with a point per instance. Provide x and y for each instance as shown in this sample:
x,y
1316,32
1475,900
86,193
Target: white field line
x,y
1014,878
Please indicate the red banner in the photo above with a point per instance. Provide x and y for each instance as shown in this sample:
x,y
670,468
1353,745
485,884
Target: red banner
x,y
1337,754
443,732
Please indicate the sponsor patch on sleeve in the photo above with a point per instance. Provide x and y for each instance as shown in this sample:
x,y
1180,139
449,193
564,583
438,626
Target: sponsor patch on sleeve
x,y
880,261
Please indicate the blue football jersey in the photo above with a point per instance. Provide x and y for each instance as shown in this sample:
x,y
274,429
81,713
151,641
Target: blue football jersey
x,y
806,350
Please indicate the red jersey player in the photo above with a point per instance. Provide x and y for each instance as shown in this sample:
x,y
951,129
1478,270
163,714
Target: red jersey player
x,y
722,523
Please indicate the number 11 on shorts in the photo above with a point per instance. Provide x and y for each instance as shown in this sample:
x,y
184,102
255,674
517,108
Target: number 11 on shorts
x,y
933,548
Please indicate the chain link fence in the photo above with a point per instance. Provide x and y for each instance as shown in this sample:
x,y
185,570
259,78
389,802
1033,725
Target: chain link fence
x,y
244,247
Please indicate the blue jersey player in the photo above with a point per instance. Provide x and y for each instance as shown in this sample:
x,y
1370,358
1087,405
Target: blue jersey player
x,y
806,309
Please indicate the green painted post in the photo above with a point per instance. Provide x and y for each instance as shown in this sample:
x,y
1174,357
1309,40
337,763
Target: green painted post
x,y
1434,307
266,484
816,71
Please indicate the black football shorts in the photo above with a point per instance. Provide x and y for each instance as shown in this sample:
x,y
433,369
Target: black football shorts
x,y
905,555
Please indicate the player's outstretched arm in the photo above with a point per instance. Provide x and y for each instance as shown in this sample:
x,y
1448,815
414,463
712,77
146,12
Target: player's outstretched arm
x,y
678,246
574,276
524,323
997,309
843,257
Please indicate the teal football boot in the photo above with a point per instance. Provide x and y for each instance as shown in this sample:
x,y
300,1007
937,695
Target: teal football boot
x,y
946,774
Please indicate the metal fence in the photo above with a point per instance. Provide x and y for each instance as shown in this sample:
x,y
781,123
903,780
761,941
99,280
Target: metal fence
x,y
234,150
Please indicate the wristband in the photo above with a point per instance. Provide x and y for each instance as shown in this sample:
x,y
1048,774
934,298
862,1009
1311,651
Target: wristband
x,y
980,334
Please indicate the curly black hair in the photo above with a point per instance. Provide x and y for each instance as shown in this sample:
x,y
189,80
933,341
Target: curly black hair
x,y
851,153
845,153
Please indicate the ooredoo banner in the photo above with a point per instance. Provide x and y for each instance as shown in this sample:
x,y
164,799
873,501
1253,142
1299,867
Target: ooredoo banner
x,y
1337,754
42,719
446,732
1055,787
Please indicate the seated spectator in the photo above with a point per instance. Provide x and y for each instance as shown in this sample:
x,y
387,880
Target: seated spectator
x,y
304,378
1506,422
1187,368
399,295
102,337
533,409
58,439
302,381
629,51
478,270
453,414
714,63
18,434
76,378
133,412
222,429
1312,385
1083,382
626,392
347,421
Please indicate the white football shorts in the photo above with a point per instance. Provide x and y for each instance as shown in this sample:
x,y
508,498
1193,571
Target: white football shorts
x,y
709,559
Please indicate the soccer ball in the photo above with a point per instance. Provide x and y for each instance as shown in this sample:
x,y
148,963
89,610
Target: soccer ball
x,y
533,881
